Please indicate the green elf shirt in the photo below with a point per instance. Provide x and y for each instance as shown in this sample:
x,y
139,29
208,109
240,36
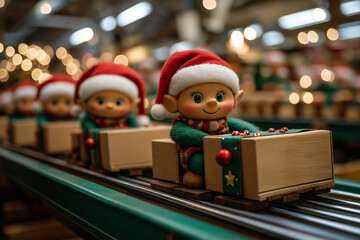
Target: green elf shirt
x,y
189,134
96,125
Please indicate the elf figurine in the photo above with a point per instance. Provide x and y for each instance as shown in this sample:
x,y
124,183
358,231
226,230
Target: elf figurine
x,y
203,89
6,103
57,98
109,93
24,95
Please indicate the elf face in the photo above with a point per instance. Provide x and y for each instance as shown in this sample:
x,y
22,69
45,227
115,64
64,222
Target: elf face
x,y
58,106
207,101
25,105
8,109
109,104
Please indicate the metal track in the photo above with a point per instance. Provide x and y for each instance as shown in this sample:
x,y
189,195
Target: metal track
x,y
335,216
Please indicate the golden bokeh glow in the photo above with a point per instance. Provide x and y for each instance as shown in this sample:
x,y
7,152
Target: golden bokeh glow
x,y
26,65
121,59
303,38
2,3
327,75
1,47
308,97
209,4
23,48
71,69
250,33
61,53
10,51
313,36
3,73
237,38
90,62
45,8
305,81
40,55
68,59
36,74
46,60
10,66
332,34
17,59
31,54
294,98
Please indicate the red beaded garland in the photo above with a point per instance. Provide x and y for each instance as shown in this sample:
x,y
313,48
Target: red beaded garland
x,y
247,132
271,130
242,134
224,157
282,131
121,125
257,134
90,143
285,129
235,133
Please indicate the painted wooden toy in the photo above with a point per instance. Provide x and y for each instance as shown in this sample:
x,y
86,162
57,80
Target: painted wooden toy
x,y
56,123
6,109
109,93
23,121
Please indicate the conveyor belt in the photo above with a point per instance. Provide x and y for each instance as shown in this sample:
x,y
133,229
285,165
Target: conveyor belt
x,y
332,216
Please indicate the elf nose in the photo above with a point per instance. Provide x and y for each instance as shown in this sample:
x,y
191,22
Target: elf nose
x,y
211,103
109,106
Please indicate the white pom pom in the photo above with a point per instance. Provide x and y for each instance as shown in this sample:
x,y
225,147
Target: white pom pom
x,y
76,110
37,107
158,111
143,120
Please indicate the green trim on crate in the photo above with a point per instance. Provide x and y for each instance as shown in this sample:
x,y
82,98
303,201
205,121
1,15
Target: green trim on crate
x,y
347,185
101,211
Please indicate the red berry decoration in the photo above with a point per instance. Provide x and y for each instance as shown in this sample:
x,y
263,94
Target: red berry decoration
x,y
146,125
242,134
121,125
155,125
285,129
271,130
282,131
247,132
90,143
235,133
257,134
224,157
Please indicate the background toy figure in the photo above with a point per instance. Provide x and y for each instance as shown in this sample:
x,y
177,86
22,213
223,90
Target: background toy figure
x,y
57,99
109,93
6,102
24,95
203,89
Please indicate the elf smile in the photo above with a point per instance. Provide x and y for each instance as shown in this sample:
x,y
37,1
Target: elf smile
x,y
211,112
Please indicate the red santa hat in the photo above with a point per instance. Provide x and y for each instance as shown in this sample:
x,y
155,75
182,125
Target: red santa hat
x,y
58,84
26,88
110,76
6,97
188,68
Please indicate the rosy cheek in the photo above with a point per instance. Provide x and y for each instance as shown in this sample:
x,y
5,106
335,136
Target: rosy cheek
x,y
124,110
93,107
190,108
228,106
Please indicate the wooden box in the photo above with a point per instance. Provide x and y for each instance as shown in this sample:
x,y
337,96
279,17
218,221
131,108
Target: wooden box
x,y
4,128
129,148
78,154
270,165
57,136
165,160
24,132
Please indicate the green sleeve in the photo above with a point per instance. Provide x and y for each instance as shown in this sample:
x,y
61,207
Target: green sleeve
x,y
86,125
186,136
131,121
41,119
241,125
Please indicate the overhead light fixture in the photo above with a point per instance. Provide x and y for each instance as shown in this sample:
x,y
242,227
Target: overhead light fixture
x,y
349,8
45,8
273,38
304,18
134,13
349,30
81,36
108,24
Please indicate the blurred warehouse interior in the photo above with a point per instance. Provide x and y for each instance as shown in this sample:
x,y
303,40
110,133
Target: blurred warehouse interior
x,y
298,61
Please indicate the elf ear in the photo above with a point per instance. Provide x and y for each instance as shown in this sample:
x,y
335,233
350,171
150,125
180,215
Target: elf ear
x,y
237,97
170,103
82,104
135,103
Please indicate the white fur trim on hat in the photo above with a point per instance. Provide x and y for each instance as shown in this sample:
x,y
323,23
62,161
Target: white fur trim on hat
x,y
6,98
203,73
25,91
76,110
158,111
108,82
55,89
37,107
143,120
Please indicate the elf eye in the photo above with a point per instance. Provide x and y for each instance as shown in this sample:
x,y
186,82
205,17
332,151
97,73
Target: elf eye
x,y
197,97
219,96
100,101
54,102
118,102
